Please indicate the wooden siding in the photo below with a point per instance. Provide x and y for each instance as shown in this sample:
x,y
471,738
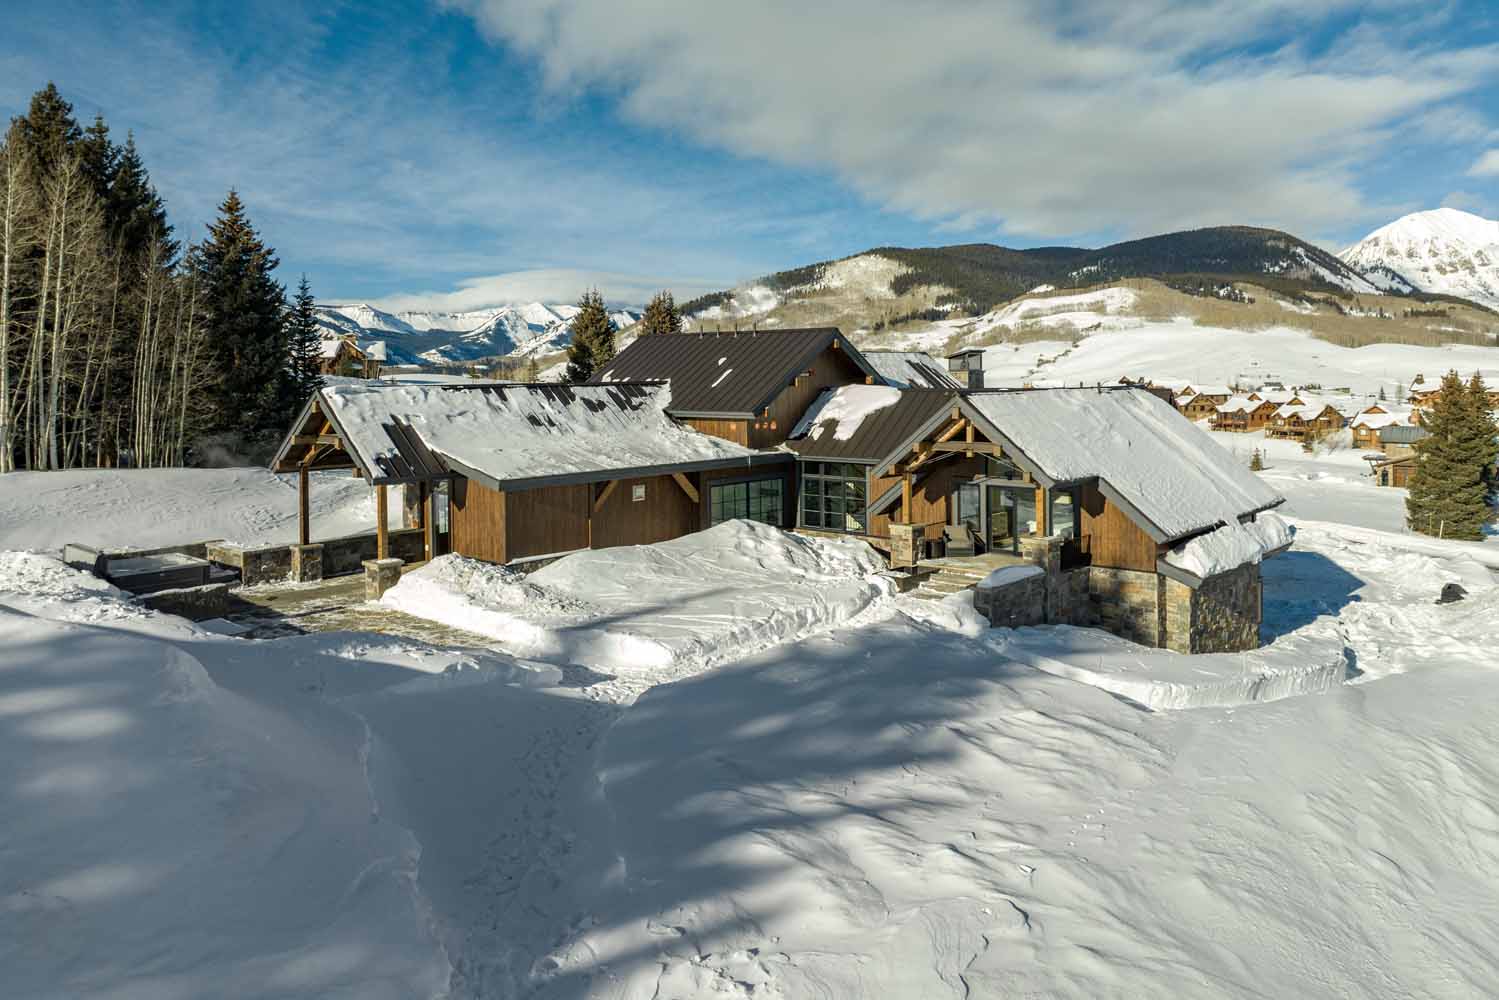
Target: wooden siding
x,y
736,431
476,521
831,368
667,512
931,498
1110,537
550,519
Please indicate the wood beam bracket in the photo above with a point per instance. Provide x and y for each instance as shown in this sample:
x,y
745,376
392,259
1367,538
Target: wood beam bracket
x,y
687,487
609,487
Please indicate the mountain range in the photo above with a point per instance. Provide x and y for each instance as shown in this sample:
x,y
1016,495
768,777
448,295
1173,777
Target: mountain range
x,y
516,331
1444,251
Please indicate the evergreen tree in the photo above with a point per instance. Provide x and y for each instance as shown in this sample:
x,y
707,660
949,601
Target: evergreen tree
x,y
1449,489
1483,430
136,214
244,312
661,315
101,157
48,130
592,338
305,344
1256,461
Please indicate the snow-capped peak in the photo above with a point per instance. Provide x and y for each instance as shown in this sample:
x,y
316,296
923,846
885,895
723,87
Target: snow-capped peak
x,y
1445,250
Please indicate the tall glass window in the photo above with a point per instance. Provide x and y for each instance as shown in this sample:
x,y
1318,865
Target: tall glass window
x,y
834,497
757,500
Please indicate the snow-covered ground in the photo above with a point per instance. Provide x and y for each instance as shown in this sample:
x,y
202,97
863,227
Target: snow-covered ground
x,y
142,508
738,765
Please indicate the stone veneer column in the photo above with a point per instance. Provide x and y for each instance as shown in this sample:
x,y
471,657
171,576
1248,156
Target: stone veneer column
x,y
1046,552
307,563
380,575
905,545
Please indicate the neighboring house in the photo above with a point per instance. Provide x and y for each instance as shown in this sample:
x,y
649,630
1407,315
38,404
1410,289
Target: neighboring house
x,y
749,387
1396,461
1242,414
508,473
1106,483
1303,421
910,370
344,357
1202,402
967,367
1369,422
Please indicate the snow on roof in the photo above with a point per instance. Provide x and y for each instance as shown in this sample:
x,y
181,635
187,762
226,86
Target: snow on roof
x,y
845,409
1231,546
518,432
1240,404
1312,409
1164,467
330,346
910,369
373,349
1377,420
1213,390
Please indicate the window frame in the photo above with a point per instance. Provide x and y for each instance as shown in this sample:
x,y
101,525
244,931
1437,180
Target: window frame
x,y
813,480
718,502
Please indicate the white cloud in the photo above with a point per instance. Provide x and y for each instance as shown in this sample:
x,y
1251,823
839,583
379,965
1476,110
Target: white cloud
x,y
1046,121
1486,165
550,285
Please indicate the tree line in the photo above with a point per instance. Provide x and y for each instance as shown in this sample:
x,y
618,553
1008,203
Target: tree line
x,y
118,344
593,332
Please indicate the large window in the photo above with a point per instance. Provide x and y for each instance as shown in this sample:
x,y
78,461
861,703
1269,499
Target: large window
x,y
834,497
757,500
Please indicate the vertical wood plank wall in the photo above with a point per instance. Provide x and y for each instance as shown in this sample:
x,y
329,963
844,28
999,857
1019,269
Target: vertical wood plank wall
x,y
930,497
550,519
736,431
476,521
1111,537
830,368
667,512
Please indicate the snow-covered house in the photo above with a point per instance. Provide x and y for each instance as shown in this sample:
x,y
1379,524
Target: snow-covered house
x,y
1305,418
748,386
1143,524
1368,422
1201,402
346,358
515,472
1244,413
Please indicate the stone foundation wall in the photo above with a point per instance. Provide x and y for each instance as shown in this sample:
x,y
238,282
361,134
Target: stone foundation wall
x,y
193,603
340,556
1128,603
1221,616
1014,605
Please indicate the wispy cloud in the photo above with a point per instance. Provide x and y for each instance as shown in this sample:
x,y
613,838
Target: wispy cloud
x,y
1486,165
1040,119
549,285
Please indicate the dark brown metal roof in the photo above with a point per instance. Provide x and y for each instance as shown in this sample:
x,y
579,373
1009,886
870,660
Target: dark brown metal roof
x,y
881,432
725,374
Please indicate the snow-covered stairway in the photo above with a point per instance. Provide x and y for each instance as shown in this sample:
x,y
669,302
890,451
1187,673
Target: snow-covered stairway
x,y
950,580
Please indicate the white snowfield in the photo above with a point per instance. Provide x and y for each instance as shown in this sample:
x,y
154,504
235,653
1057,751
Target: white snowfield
x,y
737,765
144,508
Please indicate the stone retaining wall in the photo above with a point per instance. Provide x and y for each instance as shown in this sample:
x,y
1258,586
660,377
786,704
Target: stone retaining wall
x,y
193,603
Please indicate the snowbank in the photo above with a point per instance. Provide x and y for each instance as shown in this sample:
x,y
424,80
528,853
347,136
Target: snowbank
x,y
677,605
1310,661
168,838
1232,546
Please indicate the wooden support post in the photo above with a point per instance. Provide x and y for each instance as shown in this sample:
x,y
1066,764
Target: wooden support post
x,y
382,534
1043,515
905,498
425,516
304,517
968,440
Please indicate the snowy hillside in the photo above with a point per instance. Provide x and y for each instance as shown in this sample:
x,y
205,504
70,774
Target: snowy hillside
x,y
532,328
1445,251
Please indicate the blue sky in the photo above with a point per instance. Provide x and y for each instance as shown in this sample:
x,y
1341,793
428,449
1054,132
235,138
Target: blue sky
x,y
455,154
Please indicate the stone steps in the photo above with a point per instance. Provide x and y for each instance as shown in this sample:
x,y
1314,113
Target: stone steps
x,y
948,581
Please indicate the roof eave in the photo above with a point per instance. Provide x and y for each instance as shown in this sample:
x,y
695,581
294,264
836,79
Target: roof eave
x,y
760,458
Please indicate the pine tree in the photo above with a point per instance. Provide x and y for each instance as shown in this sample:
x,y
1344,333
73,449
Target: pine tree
x,y
244,312
1482,434
305,343
592,344
1256,461
48,130
661,315
1449,490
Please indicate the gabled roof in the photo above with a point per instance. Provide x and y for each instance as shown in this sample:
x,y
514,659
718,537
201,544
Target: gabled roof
x,y
910,370
1388,418
1402,434
514,436
1167,476
726,374
861,423
1243,404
